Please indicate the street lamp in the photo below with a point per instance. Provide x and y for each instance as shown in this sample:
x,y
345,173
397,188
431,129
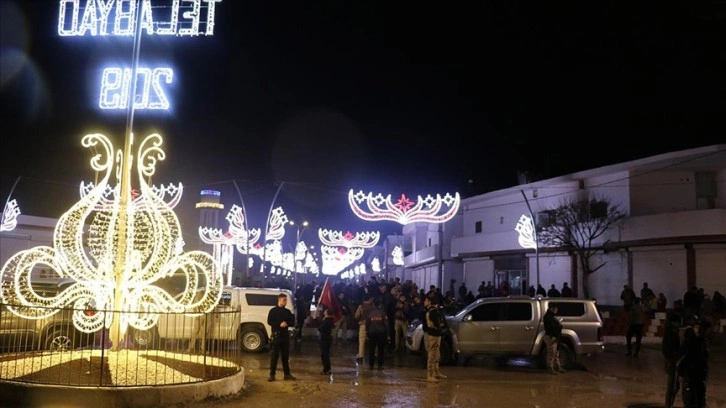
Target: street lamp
x,y
300,231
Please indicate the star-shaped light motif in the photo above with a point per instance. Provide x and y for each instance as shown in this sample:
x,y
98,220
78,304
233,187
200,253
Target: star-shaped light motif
x,y
404,203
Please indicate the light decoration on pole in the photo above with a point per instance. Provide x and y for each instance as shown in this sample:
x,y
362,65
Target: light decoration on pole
x,y
397,255
223,243
376,265
310,264
10,216
404,211
273,253
278,220
526,231
347,239
133,241
288,261
337,259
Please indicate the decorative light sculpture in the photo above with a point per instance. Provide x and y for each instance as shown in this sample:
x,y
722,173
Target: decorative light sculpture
x,y
404,211
274,253
337,259
526,231
223,243
310,263
347,239
397,255
10,216
376,265
278,220
288,261
133,241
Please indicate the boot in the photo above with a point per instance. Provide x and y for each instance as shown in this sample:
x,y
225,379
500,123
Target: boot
x,y
439,375
431,376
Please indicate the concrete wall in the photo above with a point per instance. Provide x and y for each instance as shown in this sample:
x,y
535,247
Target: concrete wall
x,y
664,268
662,192
711,268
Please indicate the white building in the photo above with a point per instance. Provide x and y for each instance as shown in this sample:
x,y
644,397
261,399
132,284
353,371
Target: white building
x,y
673,235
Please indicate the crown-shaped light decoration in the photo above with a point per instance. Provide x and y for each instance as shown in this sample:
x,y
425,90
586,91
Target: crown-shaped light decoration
x,y
397,255
347,239
376,265
525,228
276,227
133,241
404,211
10,216
337,259
223,243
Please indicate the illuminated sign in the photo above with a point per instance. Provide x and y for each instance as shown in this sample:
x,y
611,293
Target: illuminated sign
x,y
116,83
182,18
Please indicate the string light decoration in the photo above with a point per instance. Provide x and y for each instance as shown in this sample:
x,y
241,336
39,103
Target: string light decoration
x,y
376,265
274,253
223,243
525,228
110,18
404,211
276,227
310,264
131,244
10,216
397,255
347,239
337,259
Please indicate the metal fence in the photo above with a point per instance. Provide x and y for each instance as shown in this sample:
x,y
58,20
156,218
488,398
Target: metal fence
x,y
179,349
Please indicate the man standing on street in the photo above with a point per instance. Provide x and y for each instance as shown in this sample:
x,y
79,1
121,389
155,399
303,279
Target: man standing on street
x,y
433,328
553,330
280,318
671,347
377,331
636,319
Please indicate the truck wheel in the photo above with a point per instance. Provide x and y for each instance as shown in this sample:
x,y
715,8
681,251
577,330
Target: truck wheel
x,y
59,339
253,340
566,356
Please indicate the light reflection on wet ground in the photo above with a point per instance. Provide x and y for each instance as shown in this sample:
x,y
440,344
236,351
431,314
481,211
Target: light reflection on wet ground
x,y
602,381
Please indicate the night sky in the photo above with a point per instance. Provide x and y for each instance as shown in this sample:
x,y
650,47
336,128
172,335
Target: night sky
x,y
392,97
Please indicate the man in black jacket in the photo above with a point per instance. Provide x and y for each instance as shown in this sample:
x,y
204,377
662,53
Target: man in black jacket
x,y
434,325
280,318
553,329
671,347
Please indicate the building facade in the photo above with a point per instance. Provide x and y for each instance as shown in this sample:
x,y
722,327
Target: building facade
x,y
673,235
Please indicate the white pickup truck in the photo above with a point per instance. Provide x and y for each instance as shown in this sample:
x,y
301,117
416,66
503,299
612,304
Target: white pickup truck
x,y
241,315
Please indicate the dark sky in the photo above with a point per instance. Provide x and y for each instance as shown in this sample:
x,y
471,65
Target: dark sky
x,y
391,96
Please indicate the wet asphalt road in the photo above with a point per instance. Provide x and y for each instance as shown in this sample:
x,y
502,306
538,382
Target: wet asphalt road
x,y
609,379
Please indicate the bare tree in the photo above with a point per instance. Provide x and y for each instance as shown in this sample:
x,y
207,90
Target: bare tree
x,y
576,225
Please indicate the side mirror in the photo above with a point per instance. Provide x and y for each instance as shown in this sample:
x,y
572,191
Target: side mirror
x,y
468,318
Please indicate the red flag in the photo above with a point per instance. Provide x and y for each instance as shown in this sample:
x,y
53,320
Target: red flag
x,y
327,299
